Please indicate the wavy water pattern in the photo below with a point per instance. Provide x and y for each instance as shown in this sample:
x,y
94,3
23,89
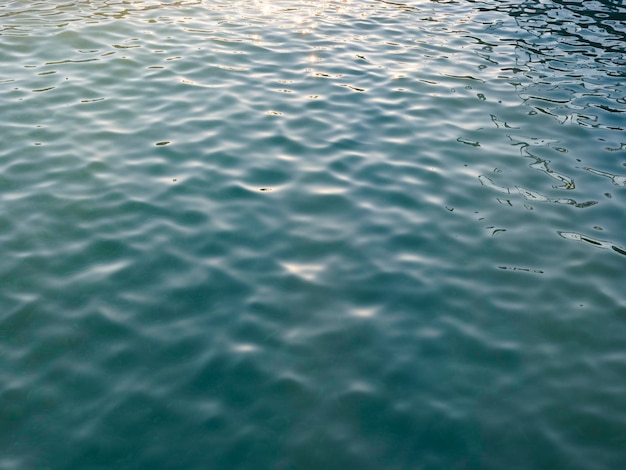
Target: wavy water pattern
x,y
312,234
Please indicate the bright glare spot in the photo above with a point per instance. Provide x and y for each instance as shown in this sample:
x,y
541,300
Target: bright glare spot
x,y
306,271
331,190
265,8
364,312
244,348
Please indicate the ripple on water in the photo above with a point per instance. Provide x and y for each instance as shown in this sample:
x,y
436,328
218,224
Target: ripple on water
x,y
324,234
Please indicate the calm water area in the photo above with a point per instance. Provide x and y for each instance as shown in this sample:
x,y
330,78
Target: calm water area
x,y
297,234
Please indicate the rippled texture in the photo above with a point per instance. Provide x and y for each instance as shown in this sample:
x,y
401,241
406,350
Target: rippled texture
x,y
290,234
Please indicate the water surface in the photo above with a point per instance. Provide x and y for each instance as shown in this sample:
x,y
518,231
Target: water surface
x,y
312,234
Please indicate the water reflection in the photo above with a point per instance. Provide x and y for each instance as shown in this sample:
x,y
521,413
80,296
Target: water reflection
x,y
617,180
530,195
569,65
573,54
605,245
598,24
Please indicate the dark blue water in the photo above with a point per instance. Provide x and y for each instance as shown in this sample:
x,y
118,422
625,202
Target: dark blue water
x,y
328,234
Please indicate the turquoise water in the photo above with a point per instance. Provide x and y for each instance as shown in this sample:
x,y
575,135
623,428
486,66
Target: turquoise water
x,y
291,234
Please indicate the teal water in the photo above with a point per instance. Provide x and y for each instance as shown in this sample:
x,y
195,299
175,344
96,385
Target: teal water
x,y
354,234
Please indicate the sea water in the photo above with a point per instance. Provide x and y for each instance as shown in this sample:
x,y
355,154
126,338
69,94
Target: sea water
x,y
333,234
